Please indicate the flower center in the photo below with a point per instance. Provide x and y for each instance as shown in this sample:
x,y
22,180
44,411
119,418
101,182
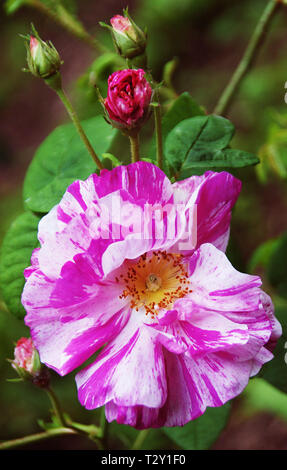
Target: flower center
x,y
154,281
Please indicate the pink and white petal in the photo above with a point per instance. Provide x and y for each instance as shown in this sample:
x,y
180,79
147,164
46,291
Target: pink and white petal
x,y
34,264
134,230
61,245
145,182
214,195
124,230
193,385
263,356
130,197
67,333
276,332
206,332
129,371
211,380
185,189
217,286
257,321
140,417
255,325
79,284
78,197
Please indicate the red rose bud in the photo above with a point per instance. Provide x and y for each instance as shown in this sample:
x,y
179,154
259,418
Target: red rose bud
x,y
129,39
128,99
42,57
26,359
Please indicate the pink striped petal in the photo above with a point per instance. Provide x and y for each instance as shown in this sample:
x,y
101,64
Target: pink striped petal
x,y
129,371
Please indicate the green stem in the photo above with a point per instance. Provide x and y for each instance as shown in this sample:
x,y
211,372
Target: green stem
x,y
67,21
137,445
158,133
248,57
74,117
135,147
103,423
36,437
56,406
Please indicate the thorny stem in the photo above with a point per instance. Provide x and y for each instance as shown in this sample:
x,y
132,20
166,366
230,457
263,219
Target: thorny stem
x,y
248,57
134,142
73,115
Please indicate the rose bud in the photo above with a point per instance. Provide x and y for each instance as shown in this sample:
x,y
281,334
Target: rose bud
x,y
128,99
42,57
27,364
26,359
129,39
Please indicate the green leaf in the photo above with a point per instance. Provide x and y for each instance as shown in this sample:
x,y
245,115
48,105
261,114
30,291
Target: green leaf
x,y
201,143
194,138
61,159
277,268
275,371
202,432
261,256
17,247
182,108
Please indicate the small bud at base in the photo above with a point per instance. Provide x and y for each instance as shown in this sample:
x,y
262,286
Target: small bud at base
x,y
26,359
24,354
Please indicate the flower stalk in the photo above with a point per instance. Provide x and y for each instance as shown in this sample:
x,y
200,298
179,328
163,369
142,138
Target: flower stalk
x,y
135,146
44,62
56,406
158,132
75,119
248,57
36,437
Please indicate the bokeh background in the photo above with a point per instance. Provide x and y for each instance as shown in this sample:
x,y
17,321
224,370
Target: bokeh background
x,y
208,39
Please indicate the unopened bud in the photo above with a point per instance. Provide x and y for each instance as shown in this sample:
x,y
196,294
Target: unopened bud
x,y
26,358
42,57
129,39
127,105
27,363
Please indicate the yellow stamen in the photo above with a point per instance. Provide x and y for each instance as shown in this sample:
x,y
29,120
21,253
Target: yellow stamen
x,y
155,281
